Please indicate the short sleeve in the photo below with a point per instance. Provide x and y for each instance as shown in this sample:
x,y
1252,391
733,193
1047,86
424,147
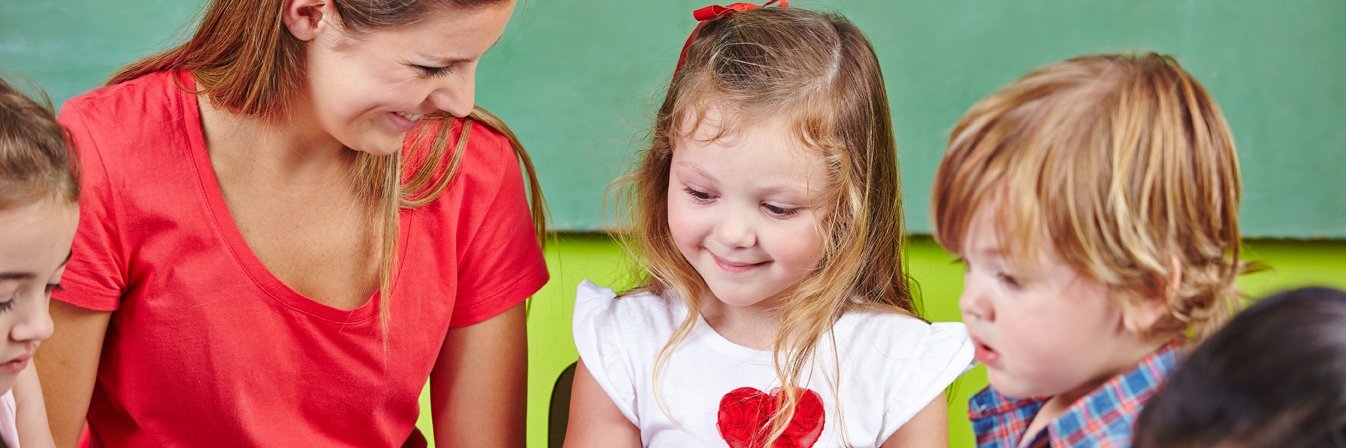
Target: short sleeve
x,y
501,263
598,340
944,354
95,277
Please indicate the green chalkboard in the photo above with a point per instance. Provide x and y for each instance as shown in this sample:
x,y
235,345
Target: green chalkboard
x,y
580,79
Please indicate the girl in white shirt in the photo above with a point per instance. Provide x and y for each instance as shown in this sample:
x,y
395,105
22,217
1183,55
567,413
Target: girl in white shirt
x,y
767,214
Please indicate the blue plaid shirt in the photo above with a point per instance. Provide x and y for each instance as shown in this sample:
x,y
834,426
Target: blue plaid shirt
x,y
1104,418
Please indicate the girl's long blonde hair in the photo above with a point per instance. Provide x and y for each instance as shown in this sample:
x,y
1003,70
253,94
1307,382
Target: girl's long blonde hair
x,y
821,74
246,62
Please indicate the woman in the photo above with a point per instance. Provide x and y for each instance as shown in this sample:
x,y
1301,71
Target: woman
x,y
282,237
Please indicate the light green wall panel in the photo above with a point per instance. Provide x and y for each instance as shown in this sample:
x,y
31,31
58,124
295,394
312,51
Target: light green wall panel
x,y
572,258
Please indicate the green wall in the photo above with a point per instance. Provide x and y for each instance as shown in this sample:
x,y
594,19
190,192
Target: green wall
x,y
574,257
579,80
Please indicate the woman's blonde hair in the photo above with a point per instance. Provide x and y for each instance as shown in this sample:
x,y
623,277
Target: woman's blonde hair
x,y
819,73
1127,164
246,62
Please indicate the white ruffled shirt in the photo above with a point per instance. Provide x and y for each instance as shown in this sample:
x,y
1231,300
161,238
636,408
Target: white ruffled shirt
x,y
9,430
891,367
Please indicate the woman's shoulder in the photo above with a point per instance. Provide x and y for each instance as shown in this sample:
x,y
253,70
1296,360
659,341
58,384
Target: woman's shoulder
x,y
130,127
137,99
133,119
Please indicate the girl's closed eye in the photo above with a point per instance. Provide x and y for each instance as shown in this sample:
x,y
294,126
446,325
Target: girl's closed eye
x,y
698,196
779,211
53,287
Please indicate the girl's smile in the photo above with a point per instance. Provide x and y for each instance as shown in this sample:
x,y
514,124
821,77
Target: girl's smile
x,y
741,208
737,267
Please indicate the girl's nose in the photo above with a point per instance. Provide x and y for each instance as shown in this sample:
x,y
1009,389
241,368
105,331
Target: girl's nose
x,y
735,232
34,323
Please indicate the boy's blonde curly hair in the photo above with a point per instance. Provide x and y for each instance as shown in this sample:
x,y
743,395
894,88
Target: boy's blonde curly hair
x,y
1130,168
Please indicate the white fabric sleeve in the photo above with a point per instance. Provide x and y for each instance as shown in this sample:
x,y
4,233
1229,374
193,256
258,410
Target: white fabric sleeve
x,y
9,429
945,354
598,338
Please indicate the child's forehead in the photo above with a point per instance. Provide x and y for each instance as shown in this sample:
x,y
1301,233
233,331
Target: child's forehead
x,y
708,120
997,230
721,121
762,150
707,123
35,237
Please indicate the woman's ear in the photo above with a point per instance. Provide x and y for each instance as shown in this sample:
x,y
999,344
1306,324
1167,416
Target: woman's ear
x,y
305,19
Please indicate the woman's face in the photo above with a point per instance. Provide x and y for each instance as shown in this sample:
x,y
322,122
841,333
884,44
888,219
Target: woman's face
x,y
367,89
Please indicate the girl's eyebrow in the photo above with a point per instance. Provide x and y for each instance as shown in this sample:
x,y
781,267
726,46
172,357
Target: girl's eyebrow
x,y
696,169
774,190
17,275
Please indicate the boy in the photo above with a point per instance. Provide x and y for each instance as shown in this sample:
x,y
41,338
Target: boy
x,y
1095,204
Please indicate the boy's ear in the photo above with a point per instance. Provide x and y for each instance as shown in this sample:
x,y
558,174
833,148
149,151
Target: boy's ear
x,y
305,18
1142,312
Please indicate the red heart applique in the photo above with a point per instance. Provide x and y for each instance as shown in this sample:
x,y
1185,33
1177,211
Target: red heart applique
x,y
744,413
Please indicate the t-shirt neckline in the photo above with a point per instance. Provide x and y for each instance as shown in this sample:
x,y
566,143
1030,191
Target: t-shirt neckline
x,y
228,229
719,343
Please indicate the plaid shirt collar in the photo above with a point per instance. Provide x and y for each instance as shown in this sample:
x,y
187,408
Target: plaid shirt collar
x,y
1103,418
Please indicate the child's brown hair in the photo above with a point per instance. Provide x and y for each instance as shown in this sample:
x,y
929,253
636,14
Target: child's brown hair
x,y
1126,163
35,160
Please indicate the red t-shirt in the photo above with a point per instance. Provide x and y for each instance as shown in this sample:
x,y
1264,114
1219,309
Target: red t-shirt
x,y
207,348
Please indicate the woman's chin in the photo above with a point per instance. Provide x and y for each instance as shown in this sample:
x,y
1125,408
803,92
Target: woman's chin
x,y
378,147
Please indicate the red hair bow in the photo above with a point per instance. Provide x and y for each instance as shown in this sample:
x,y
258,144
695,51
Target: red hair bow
x,y
713,12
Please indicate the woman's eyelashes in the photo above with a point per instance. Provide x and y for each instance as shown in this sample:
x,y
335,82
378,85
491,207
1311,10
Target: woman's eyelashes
x,y
434,72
